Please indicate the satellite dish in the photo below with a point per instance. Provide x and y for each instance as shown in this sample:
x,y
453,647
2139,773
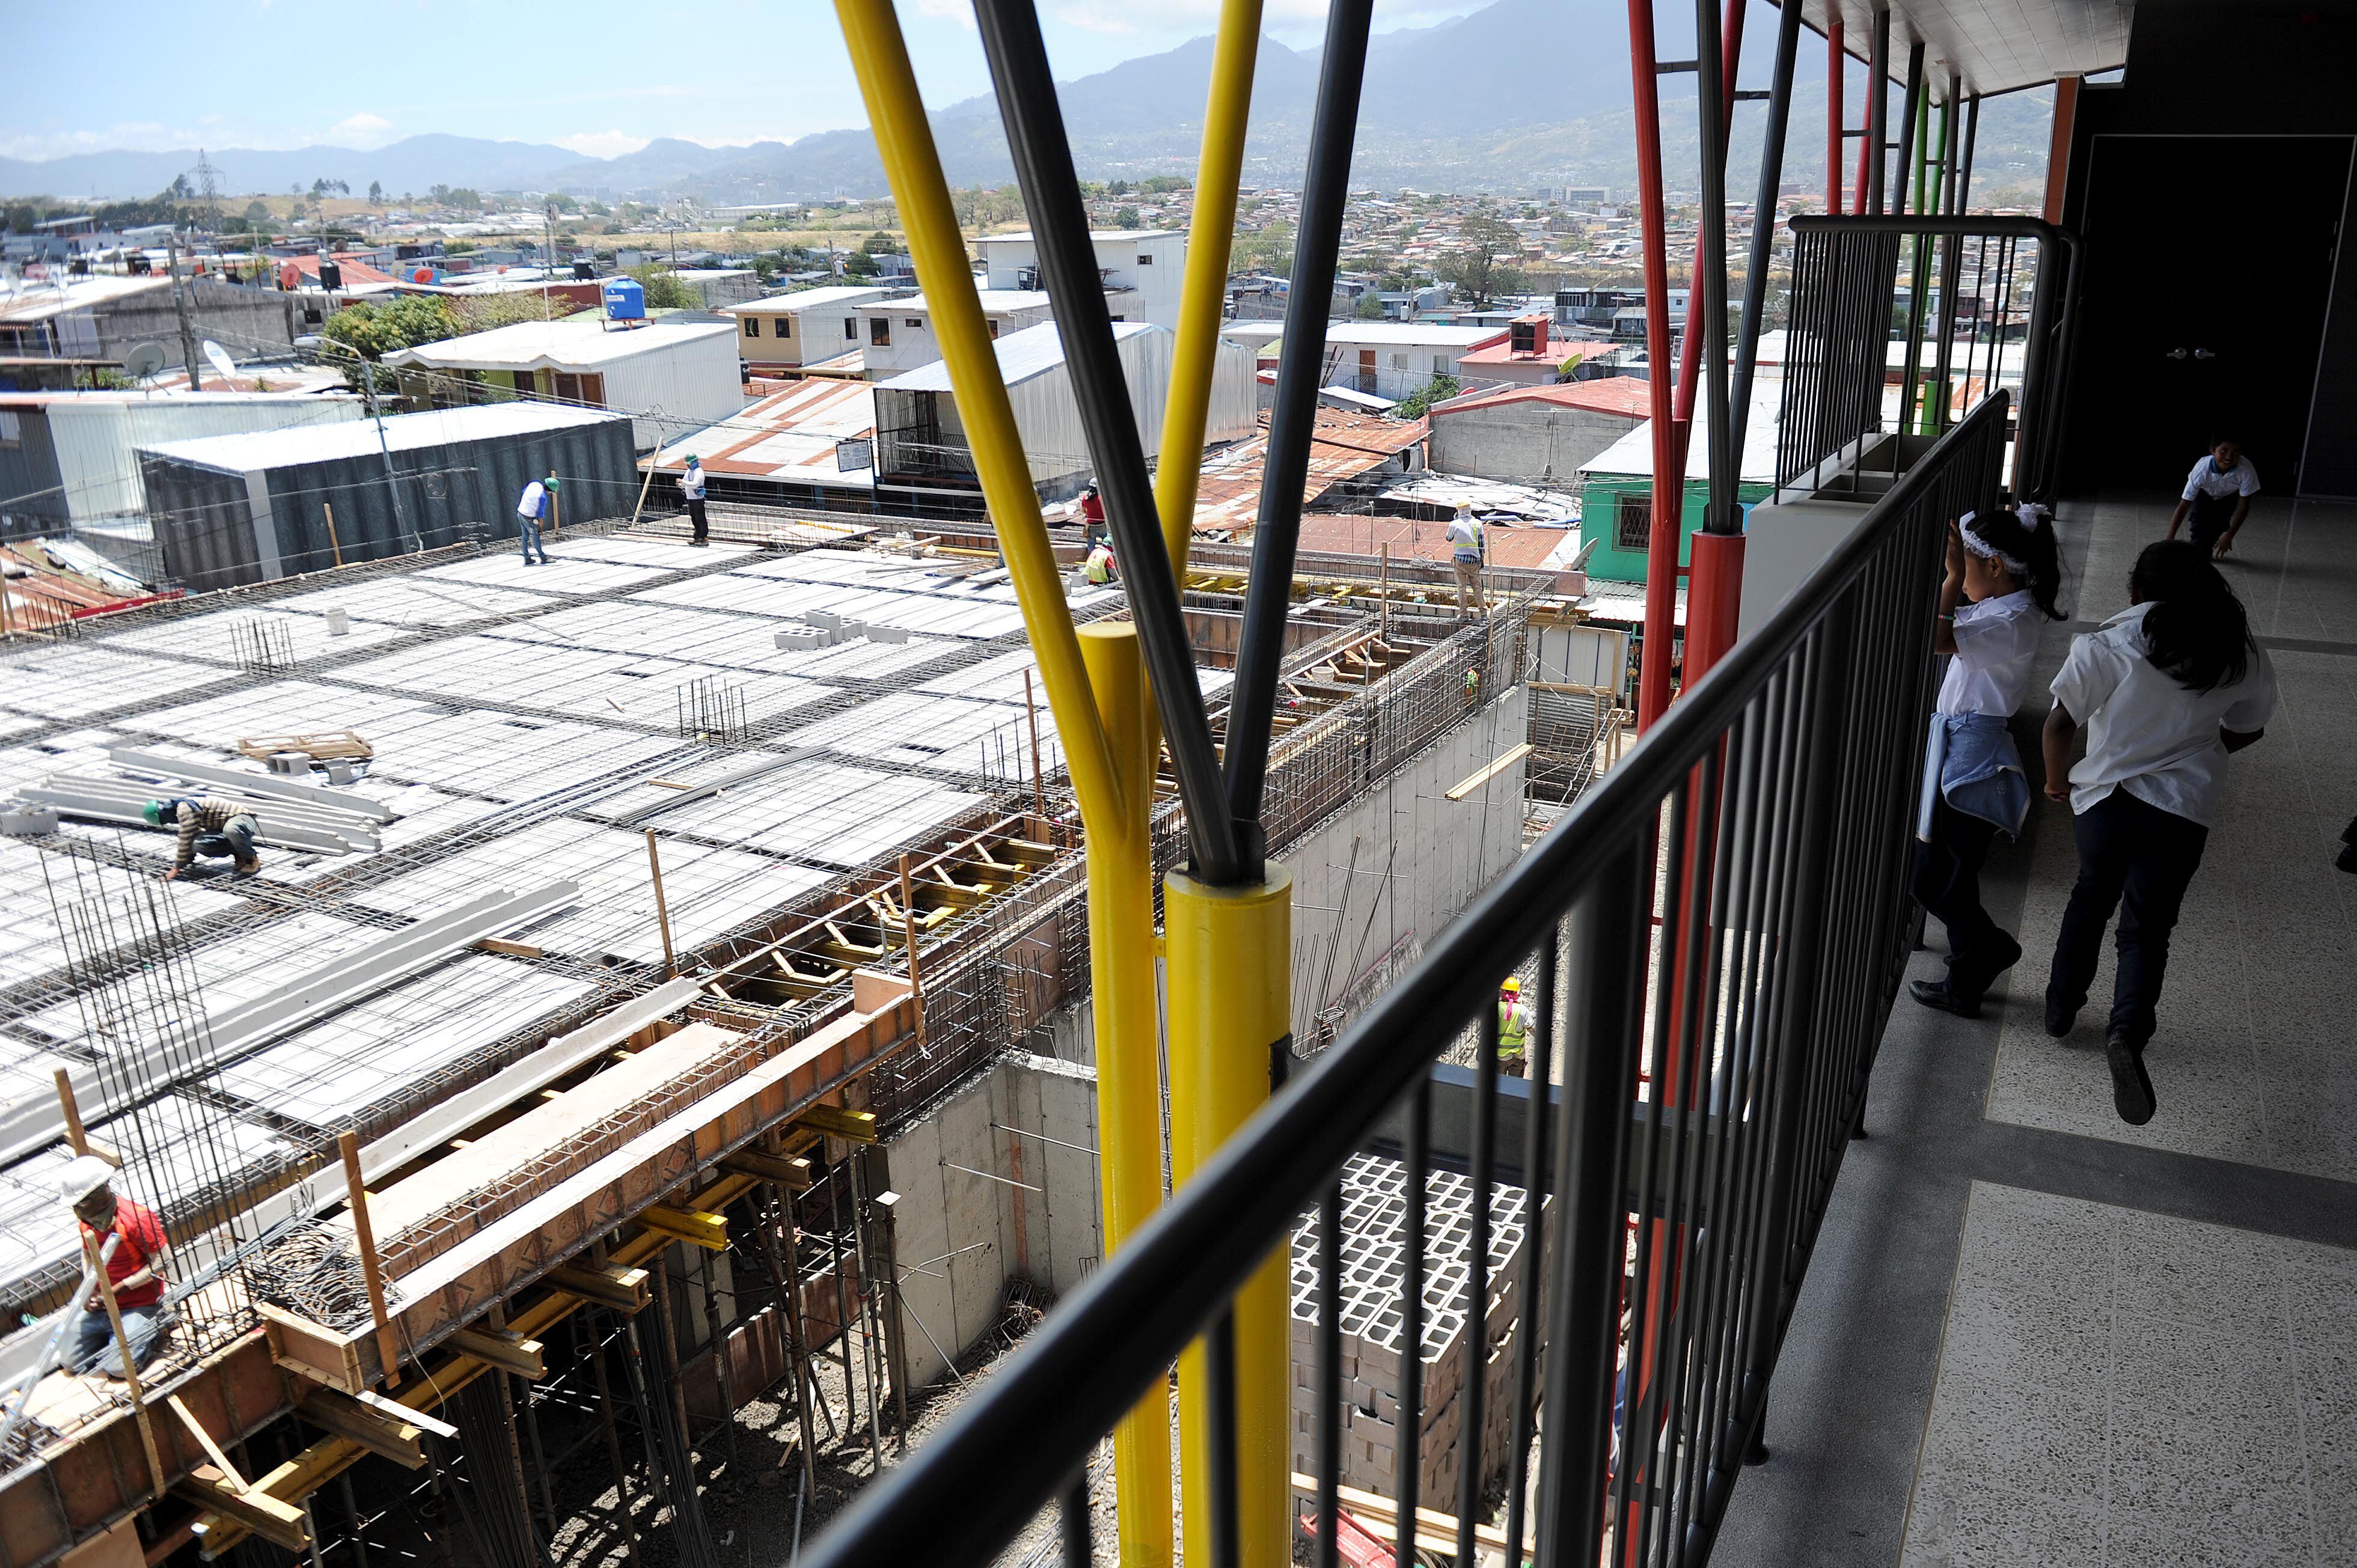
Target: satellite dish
x,y
143,362
1579,561
223,366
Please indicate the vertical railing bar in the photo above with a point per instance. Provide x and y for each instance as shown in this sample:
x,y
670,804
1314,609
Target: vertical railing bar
x,y
1410,1404
1471,1468
1539,1066
1079,1549
1220,1373
1330,1373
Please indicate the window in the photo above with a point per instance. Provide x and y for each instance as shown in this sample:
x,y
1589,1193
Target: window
x,y
879,331
1633,520
994,327
851,329
1145,260
782,327
915,321
1399,361
752,327
1440,365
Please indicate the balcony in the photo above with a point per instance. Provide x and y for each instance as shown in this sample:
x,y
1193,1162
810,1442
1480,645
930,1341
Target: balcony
x,y
2033,1333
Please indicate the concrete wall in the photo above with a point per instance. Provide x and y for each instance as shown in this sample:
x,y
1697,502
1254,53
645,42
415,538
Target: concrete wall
x,y
1046,1231
1419,858
1523,441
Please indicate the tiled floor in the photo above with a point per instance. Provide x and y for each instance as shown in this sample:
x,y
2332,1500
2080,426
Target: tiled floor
x,y
2125,1388
2032,1334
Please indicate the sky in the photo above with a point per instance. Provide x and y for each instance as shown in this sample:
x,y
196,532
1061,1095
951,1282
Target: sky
x,y
595,76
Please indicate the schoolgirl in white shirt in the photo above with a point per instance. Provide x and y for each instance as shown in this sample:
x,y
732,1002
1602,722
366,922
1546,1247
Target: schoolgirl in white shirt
x,y
2166,688
2004,576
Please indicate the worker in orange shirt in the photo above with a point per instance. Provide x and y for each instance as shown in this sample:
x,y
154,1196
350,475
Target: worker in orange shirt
x,y
135,1267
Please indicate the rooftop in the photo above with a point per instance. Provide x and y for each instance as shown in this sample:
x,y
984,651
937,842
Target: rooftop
x,y
1099,235
578,343
1630,395
806,299
361,437
1034,351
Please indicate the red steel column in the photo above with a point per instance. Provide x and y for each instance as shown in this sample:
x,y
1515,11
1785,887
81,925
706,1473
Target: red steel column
x,y
1714,597
1669,463
1833,116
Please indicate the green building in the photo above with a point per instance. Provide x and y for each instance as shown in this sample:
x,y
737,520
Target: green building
x,y
1615,490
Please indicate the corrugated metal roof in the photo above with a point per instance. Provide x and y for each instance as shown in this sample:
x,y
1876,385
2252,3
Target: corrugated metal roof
x,y
1630,395
790,435
1632,454
39,301
571,345
1034,351
808,299
1346,445
401,433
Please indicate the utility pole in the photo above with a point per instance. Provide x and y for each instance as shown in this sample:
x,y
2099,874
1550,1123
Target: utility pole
x,y
180,309
384,449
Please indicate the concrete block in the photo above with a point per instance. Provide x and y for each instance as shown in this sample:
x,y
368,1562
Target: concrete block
x,y
877,632
21,819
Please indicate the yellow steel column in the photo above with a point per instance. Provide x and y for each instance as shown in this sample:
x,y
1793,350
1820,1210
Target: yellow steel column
x,y
1129,1078
1202,298
1231,998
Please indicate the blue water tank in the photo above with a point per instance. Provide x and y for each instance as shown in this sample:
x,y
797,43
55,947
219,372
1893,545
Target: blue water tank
x,y
625,300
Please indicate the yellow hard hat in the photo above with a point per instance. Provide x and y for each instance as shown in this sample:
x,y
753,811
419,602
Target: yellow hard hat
x,y
1513,985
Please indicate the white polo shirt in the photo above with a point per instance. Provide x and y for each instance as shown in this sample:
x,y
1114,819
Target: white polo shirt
x,y
529,503
1996,643
2208,480
2146,734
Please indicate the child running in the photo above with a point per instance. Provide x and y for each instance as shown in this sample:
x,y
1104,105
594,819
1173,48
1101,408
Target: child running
x,y
2166,688
2006,566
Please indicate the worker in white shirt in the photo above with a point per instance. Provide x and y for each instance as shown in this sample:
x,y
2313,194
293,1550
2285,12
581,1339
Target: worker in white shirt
x,y
2005,575
2165,690
529,508
2217,497
691,487
1466,539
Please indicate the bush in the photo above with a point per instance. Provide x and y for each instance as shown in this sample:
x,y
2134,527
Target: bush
x,y
1440,389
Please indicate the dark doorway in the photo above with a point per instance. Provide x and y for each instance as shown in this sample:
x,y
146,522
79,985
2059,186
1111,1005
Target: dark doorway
x,y
2208,274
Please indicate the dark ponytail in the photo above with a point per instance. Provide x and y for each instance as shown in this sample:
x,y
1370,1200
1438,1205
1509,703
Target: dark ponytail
x,y
2196,631
2030,540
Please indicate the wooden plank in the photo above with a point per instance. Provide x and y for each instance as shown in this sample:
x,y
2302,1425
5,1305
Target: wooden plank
x,y
205,1440
709,1231
622,1289
504,1348
280,1523
513,950
546,1127
855,1126
385,1436
795,1174
1490,770
312,1349
1434,1530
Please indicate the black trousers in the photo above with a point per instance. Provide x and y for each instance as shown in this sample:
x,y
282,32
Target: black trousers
x,y
695,514
2209,517
2139,859
1948,885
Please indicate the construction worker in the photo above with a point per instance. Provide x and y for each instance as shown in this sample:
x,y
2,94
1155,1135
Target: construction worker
x,y
1101,568
1092,516
530,508
1466,539
1513,1027
691,487
213,828
135,1267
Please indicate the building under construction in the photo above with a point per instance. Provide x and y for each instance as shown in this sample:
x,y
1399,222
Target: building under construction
x,y
680,949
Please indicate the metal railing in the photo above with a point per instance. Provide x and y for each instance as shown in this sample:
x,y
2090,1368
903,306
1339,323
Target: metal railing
x,y
1718,928
1986,307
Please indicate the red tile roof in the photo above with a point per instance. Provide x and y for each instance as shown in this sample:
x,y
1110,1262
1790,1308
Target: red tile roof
x,y
1626,396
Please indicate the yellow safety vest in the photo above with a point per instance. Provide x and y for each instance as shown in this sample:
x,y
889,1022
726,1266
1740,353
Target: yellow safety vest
x,y
1513,1027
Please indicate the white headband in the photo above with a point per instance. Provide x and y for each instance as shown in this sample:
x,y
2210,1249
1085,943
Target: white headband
x,y
1987,552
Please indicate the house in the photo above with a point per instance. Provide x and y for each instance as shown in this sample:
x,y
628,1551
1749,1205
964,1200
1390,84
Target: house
x,y
786,331
104,318
71,458
1527,357
234,510
671,376
1615,490
1389,358
900,336
920,442
810,444
1536,433
1142,269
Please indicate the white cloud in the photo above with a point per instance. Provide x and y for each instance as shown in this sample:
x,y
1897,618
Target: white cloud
x,y
958,11
360,130
601,143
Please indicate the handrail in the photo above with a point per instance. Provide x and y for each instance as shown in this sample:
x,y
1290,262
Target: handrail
x,y
1020,1438
2050,336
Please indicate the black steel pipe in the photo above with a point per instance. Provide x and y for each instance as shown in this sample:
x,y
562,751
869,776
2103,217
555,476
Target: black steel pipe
x,y
1763,231
962,1497
1713,113
1067,264
1293,420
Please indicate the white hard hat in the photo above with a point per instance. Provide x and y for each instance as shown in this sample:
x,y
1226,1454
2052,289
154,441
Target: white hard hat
x,y
83,1175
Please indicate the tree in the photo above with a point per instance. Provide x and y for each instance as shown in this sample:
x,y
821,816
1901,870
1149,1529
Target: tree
x,y
257,212
664,290
1268,249
1370,306
1482,262
372,331
1126,217
859,264
376,193
1437,390
1118,187
879,243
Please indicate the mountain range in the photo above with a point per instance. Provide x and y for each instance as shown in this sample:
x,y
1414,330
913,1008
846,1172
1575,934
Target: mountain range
x,y
1519,93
